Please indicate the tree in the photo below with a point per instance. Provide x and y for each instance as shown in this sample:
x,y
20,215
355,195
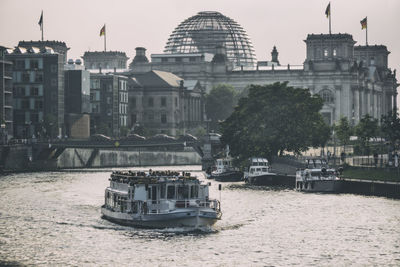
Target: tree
x,y
343,131
390,127
220,102
275,118
366,129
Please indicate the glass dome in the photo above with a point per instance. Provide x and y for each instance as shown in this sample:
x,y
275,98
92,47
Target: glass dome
x,y
207,30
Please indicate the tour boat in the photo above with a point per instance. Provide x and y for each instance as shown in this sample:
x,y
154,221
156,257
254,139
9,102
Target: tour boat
x,y
224,171
259,173
318,177
159,199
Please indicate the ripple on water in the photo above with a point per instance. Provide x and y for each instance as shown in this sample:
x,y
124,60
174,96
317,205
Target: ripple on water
x,y
53,219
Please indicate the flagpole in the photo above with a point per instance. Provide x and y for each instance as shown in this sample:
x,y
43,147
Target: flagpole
x,y
366,33
42,30
330,14
105,34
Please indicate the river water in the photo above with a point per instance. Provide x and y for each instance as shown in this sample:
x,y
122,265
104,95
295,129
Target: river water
x,y
53,219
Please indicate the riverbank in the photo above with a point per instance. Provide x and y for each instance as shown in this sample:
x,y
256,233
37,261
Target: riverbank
x,y
372,174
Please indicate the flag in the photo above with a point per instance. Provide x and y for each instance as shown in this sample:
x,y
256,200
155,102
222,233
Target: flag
x,y
41,20
328,10
103,30
364,23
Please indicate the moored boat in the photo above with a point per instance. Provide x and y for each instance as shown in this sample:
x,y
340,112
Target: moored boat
x,y
259,173
224,171
318,177
160,199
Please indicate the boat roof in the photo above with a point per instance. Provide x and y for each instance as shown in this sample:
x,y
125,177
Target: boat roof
x,y
152,177
258,159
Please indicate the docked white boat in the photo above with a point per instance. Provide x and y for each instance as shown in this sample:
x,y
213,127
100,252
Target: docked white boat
x,y
224,171
159,200
318,177
259,173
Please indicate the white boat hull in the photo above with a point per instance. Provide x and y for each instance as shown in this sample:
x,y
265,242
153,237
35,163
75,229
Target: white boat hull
x,y
190,217
327,186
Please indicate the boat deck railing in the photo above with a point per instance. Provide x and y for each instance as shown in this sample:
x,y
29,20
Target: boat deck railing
x,y
163,206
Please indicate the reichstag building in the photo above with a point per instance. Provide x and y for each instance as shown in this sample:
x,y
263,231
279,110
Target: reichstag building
x,y
214,49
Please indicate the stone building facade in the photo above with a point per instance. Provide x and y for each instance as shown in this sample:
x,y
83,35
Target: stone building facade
x,y
6,97
105,60
109,103
352,80
164,103
38,90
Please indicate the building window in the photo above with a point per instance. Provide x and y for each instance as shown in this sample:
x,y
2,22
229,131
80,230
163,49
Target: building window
x,y
53,68
95,84
38,77
38,104
133,102
150,116
192,59
133,118
334,52
178,59
19,91
25,77
34,64
326,52
34,117
34,91
176,102
327,96
20,64
372,61
163,118
25,104
163,102
164,59
150,102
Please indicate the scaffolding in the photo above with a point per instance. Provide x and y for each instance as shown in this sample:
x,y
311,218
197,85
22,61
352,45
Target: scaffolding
x,y
204,32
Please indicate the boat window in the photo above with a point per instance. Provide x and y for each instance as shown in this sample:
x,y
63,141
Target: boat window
x,y
264,169
171,192
258,169
194,191
154,192
162,192
251,170
183,192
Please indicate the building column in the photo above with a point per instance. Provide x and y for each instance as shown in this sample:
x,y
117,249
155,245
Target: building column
x,y
375,105
338,102
356,105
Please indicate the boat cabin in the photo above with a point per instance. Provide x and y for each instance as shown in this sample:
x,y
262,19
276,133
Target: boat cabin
x,y
316,163
258,165
154,194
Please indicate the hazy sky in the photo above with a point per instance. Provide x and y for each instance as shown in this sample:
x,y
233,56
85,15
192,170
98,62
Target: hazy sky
x,y
148,23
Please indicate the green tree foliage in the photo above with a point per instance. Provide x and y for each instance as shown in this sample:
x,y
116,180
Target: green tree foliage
x,y
220,102
343,131
275,118
390,127
102,128
123,131
366,129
